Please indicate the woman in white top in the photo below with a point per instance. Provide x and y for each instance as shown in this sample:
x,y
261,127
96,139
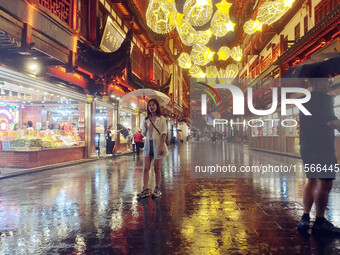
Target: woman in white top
x,y
155,131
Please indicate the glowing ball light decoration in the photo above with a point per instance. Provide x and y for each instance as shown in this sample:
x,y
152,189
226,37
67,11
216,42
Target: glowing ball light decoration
x,y
211,72
271,11
231,71
251,26
203,37
186,32
160,16
184,61
236,53
198,12
223,53
201,55
221,23
196,71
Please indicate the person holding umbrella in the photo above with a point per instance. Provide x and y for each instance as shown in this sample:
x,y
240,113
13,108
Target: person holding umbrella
x,y
317,152
155,130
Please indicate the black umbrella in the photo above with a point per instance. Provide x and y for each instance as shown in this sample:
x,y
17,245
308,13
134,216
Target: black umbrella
x,y
123,130
322,65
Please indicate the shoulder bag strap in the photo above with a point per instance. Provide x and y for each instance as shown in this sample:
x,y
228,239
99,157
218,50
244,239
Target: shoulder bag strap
x,y
154,126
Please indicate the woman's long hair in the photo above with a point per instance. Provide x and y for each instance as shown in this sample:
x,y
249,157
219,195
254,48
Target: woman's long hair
x,y
158,111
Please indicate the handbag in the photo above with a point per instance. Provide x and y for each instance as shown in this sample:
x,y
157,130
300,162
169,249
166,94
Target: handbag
x,y
166,140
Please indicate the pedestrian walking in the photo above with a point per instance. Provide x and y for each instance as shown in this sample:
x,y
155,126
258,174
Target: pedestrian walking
x,y
138,138
317,152
155,130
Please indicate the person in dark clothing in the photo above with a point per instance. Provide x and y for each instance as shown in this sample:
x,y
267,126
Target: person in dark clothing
x,y
317,149
110,140
138,138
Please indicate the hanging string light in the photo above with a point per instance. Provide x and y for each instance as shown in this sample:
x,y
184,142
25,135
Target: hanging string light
x,y
186,32
223,53
201,55
203,37
198,12
236,53
251,26
196,71
160,16
184,61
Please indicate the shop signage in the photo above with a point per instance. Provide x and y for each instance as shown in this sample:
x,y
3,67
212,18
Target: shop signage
x,y
112,38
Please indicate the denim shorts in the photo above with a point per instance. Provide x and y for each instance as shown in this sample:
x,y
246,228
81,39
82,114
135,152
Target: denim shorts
x,y
151,153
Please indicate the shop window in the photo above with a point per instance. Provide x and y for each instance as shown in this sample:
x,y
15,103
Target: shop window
x,y
82,17
138,64
305,24
157,72
297,32
36,120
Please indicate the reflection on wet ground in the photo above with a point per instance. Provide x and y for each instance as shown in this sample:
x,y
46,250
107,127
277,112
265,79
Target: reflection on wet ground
x,y
92,208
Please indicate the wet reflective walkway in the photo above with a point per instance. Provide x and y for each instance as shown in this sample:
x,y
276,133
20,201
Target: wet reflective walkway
x,y
92,208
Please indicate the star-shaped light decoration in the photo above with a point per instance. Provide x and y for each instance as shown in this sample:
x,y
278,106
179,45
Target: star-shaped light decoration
x,y
230,26
223,53
186,32
160,16
251,26
209,55
201,55
223,7
288,3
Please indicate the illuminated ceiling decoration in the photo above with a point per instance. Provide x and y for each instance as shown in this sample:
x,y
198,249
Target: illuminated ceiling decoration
x,y
231,71
201,55
160,15
236,53
186,32
224,53
196,71
211,72
203,37
184,61
221,23
251,26
198,12
271,11
268,13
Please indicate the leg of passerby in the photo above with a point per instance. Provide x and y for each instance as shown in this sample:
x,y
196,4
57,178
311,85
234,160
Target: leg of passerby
x,y
158,176
137,148
308,200
146,169
321,225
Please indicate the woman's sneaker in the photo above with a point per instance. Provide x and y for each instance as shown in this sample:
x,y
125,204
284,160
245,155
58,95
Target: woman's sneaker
x,y
325,227
157,193
304,226
144,193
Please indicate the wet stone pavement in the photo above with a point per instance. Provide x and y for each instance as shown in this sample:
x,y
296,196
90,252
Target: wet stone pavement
x,y
92,208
